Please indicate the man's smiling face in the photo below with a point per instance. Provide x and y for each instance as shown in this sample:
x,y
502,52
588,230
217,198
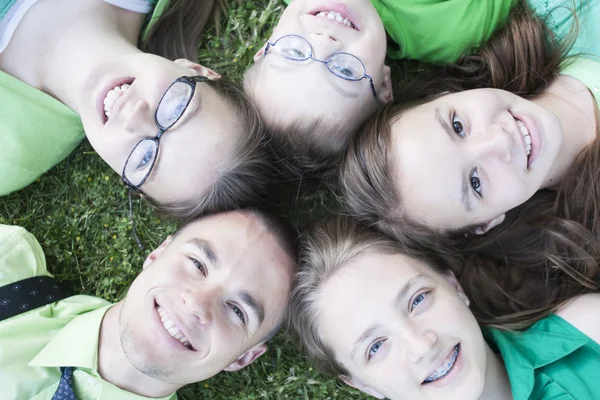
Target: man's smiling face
x,y
206,299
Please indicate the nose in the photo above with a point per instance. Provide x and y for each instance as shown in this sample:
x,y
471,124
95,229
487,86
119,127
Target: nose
x,y
324,44
419,342
139,118
200,303
495,142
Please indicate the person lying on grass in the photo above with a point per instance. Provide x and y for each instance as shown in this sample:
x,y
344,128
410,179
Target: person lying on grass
x,y
322,72
396,324
174,130
207,300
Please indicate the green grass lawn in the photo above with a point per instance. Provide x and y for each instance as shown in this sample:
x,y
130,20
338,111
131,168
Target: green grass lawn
x,y
79,213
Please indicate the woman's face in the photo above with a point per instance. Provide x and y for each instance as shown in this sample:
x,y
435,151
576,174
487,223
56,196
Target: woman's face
x,y
401,330
467,158
191,152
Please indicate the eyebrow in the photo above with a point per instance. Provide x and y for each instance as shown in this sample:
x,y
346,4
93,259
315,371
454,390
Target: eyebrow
x,y
206,248
364,336
402,293
256,306
464,196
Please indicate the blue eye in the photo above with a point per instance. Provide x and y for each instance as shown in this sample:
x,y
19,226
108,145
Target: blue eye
x,y
375,348
146,160
198,265
458,126
475,182
418,300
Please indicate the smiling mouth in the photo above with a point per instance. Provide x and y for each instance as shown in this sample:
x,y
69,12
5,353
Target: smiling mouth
x,y
337,17
446,366
114,94
172,329
526,137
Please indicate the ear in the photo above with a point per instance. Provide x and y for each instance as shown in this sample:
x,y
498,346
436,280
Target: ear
x,y
248,357
480,230
385,93
198,69
357,384
259,54
451,278
157,252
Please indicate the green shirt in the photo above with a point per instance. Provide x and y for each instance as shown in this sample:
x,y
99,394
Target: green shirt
x,y
549,360
588,72
34,345
439,31
558,15
36,130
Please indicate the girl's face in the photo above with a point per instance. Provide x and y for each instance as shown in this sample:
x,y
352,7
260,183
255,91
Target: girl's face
x,y
290,91
467,158
401,330
191,152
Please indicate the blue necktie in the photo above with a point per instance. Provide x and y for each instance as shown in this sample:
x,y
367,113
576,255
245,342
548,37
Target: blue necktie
x,y
65,388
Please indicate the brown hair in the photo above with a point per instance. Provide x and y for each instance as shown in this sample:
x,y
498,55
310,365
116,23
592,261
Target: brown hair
x,y
243,177
176,34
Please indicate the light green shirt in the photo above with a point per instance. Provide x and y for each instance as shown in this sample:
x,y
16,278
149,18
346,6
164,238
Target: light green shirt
x,y
587,71
558,16
551,360
34,345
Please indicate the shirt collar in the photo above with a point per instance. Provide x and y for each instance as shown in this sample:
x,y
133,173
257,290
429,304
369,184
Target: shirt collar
x,y
76,345
525,351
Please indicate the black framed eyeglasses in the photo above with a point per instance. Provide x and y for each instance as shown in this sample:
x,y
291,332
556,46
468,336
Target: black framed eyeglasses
x,y
342,65
141,160
171,107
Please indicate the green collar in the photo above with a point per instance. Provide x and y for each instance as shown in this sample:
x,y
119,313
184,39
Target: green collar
x,y
524,352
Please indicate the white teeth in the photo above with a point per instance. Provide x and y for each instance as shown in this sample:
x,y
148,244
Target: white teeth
x,y
112,96
335,16
171,328
526,135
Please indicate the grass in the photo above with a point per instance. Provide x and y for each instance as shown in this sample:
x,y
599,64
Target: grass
x,y
79,213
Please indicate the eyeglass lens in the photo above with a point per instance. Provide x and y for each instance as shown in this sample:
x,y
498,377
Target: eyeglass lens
x,y
343,65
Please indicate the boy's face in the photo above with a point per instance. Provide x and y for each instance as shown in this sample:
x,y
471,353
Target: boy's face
x,y
288,90
402,331
206,300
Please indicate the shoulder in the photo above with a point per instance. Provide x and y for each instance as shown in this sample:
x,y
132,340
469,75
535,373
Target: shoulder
x,y
21,256
583,312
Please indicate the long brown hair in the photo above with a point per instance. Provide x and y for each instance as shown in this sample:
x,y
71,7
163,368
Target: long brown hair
x,y
176,34
547,250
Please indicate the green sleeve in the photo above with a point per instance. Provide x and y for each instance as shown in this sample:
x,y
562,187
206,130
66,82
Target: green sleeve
x,y
440,31
36,132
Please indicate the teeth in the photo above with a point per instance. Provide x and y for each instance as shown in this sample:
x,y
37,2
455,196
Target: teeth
x,y
112,96
445,368
171,328
525,134
335,16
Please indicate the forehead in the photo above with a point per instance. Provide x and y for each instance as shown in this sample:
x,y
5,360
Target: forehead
x,y
428,169
362,293
193,151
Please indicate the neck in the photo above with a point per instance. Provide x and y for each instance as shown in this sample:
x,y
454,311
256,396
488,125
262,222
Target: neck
x,y
115,367
497,384
575,107
61,47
